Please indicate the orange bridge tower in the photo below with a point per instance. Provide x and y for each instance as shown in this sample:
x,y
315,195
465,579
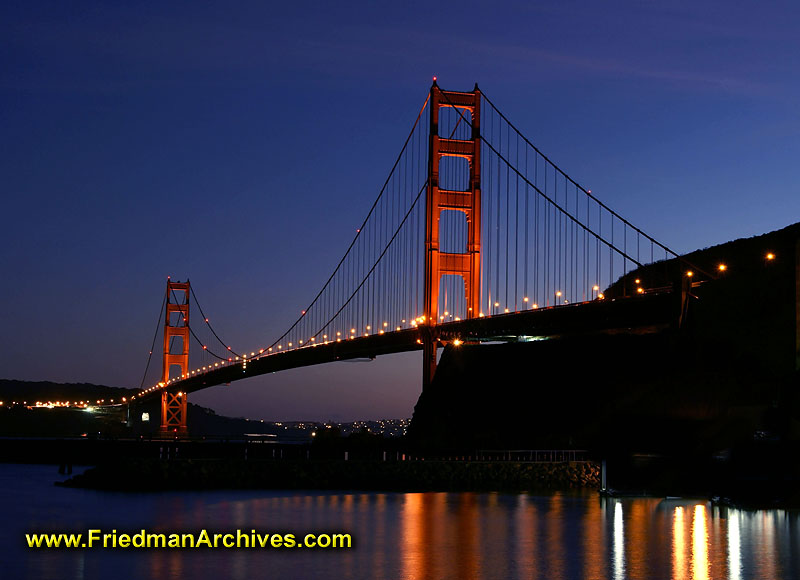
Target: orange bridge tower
x,y
438,263
176,325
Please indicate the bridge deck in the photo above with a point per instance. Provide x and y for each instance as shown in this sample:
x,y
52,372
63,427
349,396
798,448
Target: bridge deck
x,y
644,313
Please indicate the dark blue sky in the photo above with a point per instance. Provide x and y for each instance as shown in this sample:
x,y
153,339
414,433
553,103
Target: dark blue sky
x,y
241,144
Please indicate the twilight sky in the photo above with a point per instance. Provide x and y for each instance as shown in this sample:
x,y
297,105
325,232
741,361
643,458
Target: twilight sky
x,y
240,144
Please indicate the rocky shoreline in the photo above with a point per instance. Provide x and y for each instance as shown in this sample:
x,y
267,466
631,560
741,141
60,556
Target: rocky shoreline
x,y
158,475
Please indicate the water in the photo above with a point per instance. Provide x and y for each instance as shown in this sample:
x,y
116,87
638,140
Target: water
x,y
397,535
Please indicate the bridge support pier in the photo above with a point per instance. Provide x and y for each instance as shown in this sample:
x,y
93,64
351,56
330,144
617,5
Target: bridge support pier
x,y
429,347
173,414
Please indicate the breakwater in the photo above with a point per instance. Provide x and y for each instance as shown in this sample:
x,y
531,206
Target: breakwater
x,y
157,474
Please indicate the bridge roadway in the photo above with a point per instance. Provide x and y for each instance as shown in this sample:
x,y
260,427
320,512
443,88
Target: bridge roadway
x,y
649,312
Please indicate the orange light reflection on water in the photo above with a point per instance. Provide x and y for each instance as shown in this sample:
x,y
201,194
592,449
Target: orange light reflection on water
x,y
700,562
679,544
594,541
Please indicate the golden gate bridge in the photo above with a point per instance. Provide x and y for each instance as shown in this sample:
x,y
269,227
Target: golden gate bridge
x,y
475,235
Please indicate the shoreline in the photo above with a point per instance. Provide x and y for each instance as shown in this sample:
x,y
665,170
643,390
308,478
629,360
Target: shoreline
x,y
367,475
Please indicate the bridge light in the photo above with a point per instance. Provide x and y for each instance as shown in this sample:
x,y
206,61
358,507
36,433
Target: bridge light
x,y
204,347
558,292
722,267
770,256
525,299
458,318
458,342
535,306
601,296
637,281
496,304
380,332
290,344
385,324
595,287
261,351
480,314
352,331
640,290
206,319
446,313
506,309
689,273
369,327
398,328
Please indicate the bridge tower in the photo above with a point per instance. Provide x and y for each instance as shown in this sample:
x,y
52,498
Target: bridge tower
x,y
173,405
438,263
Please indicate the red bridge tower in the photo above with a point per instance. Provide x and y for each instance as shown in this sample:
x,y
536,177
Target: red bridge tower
x,y
438,263
173,405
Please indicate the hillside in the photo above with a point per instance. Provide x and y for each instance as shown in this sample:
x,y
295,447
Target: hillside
x,y
727,376
105,419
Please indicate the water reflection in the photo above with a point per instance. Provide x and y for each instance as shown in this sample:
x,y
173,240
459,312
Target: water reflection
x,y
414,535
619,543
734,548
699,544
679,543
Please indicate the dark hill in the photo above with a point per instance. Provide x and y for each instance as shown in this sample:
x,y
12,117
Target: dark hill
x,y
107,420
44,391
728,374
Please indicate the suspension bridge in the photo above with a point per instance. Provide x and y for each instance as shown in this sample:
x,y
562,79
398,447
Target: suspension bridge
x,y
475,235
